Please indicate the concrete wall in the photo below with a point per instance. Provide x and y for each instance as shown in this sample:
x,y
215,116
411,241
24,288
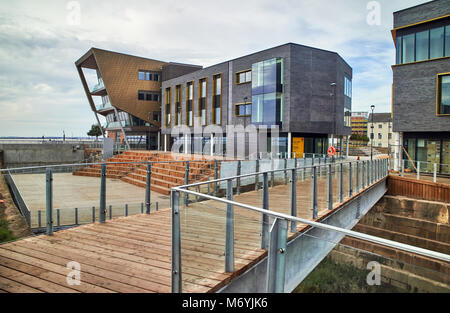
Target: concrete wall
x,y
20,155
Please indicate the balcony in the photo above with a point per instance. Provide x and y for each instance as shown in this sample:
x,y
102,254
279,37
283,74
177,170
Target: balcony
x,y
117,125
98,89
104,106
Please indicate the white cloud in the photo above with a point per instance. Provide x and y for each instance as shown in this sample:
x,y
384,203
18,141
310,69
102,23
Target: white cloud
x,y
40,89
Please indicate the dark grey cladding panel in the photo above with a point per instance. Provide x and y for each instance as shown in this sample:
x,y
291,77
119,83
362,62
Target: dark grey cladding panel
x,y
414,93
173,70
423,12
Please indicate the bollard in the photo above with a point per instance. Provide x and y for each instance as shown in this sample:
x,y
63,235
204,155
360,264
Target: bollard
x,y
49,201
76,216
93,214
126,209
39,219
110,212
148,187
102,209
265,218
229,236
142,207
58,218
156,204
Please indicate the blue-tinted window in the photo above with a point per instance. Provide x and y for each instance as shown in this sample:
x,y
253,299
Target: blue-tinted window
x,y
408,48
437,42
447,41
422,45
141,75
444,94
399,50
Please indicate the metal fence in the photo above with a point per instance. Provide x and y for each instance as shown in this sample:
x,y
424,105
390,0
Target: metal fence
x,y
424,168
21,205
309,190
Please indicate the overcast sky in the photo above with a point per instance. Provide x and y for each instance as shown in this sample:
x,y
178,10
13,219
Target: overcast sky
x,y
40,91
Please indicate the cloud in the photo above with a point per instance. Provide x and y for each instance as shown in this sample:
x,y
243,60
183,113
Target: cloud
x,y
40,91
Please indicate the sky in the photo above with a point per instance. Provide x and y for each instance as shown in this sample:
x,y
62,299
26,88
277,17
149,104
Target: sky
x,y
40,90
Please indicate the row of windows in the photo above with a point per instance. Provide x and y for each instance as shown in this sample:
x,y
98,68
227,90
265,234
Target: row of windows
x,y
202,102
148,95
423,45
380,136
149,75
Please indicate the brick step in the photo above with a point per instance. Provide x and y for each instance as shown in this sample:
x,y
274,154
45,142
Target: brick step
x,y
117,167
108,171
159,179
88,174
157,188
166,172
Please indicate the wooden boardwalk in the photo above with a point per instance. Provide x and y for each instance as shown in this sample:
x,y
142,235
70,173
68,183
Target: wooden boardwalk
x,y
133,254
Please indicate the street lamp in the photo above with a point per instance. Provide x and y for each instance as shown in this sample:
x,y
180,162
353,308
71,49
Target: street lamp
x,y
371,136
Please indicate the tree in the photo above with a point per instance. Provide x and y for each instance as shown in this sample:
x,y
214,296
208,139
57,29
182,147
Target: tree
x,y
95,131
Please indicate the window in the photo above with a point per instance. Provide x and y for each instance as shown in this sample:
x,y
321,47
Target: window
x,y
267,92
168,97
156,116
437,42
447,41
422,52
443,94
347,87
148,75
202,101
148,95
178,105
390,136
380,126
408,48
380,136
243,109
217,99
347,117
244,77
189,102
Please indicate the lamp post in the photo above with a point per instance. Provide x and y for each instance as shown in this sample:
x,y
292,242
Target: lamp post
x,y
371,136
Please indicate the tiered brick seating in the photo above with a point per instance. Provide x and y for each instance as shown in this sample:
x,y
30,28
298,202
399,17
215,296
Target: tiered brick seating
x,y
164,175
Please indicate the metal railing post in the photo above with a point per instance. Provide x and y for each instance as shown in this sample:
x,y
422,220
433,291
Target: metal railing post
x,y
176,243
350,182
418,170
341,183
314,208
265,217
102,210
357,177
330,187
216,176
434,172
49,201
229,239
93,214
238,180
148,188
403,167
294,200
58,217
368,173
110,212
257,176
372,171
76,216
276,263
39,219
126,209
186,182
285,172
363,176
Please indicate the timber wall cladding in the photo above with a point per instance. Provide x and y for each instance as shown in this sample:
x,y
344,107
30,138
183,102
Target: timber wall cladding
x,y
418,189
120,75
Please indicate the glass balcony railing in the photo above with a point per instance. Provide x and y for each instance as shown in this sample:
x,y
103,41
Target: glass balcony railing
x,y
103,106
98,86
116,124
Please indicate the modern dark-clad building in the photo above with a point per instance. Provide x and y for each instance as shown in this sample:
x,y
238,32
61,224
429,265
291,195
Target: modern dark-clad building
x,y
421,84
305,92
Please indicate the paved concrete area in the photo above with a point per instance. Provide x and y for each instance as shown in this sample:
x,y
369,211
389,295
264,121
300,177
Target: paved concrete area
x,y
81,192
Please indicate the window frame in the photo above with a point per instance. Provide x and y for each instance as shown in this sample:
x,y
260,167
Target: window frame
x,y
167,97
190,83
178,121
200,91
220,98
438,93
236,77
236,105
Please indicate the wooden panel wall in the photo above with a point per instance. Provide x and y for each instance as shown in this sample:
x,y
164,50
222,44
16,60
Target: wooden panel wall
x,y
418,189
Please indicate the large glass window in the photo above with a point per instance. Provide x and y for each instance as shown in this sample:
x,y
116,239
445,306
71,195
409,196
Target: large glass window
x,y
202,101
437,42
447,41
189,101
422,45
217,99
168,97
444,94
178,105
408,48
267,87
398,46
